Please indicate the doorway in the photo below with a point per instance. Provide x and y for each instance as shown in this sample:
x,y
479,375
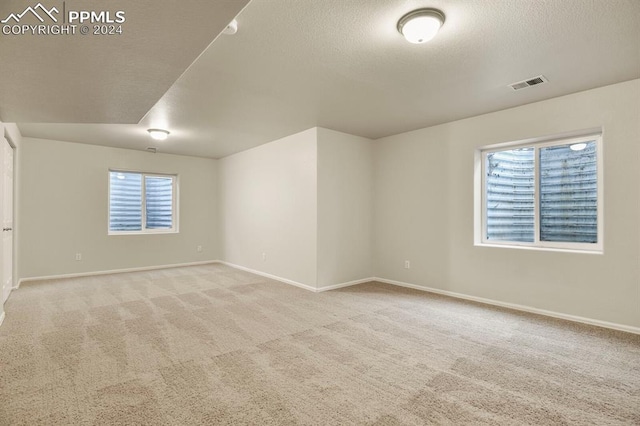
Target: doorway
x,y
6,210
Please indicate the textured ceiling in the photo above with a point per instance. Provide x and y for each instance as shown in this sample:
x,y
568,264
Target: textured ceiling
x,y
296,64
103,78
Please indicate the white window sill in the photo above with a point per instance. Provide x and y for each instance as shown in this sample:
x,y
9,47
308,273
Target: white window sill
x,y
142,233
541,248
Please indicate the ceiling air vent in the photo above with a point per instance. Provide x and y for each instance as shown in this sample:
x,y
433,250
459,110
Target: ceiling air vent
x,y
528,83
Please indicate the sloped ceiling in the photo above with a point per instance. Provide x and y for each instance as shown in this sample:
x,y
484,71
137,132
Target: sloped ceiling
x,y
342,65
117,78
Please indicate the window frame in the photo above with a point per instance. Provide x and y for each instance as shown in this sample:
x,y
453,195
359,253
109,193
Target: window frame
x,y
537,244
174,203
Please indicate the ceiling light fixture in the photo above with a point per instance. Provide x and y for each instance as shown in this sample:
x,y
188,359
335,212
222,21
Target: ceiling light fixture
x,y
421,25
232,28
158,134
578,146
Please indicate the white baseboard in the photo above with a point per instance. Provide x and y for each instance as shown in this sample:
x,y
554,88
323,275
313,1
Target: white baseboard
x,y
270,276
523,308
345,284
514,306
1,317
574,318
114,271
295,283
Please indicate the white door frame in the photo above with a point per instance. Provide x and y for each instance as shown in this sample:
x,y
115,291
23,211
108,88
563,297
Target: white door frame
x,y
8,283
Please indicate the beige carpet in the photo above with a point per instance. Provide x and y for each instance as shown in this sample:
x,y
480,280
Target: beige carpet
x,y
214,345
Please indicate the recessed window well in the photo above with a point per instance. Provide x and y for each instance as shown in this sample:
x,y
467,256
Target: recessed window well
x,y
542,195
142,203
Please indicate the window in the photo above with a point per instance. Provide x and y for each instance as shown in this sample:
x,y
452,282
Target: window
x,y
142,203
542,195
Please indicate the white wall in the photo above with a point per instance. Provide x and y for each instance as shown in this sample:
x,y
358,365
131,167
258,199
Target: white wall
x,y
268,204
64,210
424,187
411,211
345,207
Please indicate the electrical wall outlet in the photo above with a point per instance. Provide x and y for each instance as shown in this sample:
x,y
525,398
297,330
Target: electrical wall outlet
x,y
78,256
264,257
407,264
199,249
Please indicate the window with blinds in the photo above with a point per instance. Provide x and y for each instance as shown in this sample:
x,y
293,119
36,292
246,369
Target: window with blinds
x,y
544,194
141,202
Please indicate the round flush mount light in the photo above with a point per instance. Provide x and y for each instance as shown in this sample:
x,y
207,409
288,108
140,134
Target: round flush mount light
x,y
421,25
232,28
158,134
578,146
